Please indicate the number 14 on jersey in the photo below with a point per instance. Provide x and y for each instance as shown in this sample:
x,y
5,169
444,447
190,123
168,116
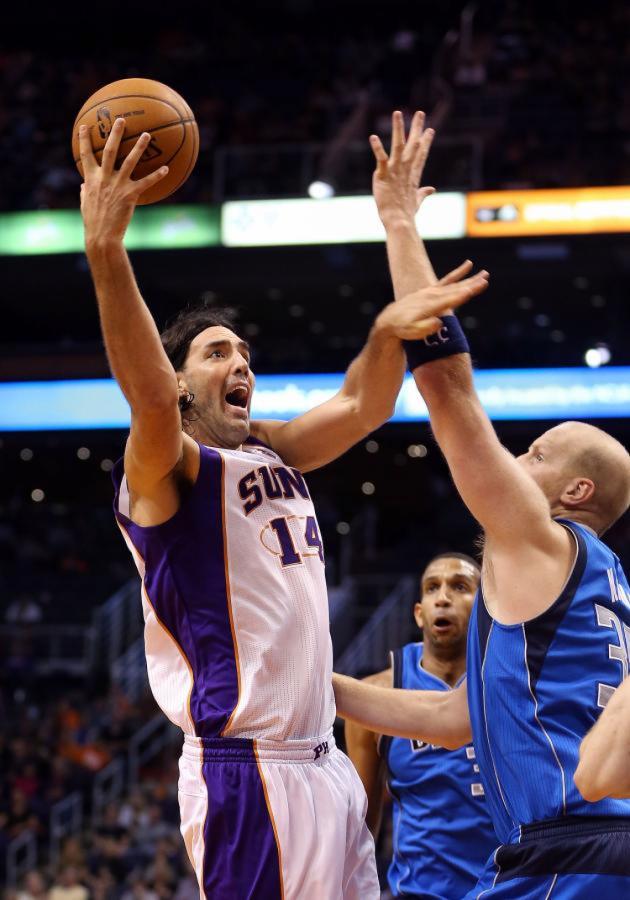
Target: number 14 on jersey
x,y
297,537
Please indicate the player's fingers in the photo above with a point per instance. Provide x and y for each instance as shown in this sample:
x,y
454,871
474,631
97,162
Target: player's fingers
x,y
421,153
466,290
85,149
131,160
110,150
415,135
423,193
398,135
380,155
149,180
457,274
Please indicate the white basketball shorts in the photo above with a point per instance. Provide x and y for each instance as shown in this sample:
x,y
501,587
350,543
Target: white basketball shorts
x,y
269,820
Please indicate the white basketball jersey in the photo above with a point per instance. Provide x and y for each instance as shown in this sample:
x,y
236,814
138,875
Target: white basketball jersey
x,y
236,610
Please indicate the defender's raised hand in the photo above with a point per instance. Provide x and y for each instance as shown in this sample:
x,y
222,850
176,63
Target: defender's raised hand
x,y
396,180
416,315
109,195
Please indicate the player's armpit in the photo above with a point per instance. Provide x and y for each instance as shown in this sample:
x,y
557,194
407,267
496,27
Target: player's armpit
x,y
437,717
362,748
159,458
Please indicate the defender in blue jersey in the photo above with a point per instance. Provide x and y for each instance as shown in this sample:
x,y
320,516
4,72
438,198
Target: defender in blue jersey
x,y
442,833
549,637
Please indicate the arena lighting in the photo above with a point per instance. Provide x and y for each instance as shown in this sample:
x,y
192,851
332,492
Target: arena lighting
x,y
507,394
597,356
320,190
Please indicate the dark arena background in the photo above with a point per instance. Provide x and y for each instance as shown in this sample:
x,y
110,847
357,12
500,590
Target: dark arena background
x,y
531,103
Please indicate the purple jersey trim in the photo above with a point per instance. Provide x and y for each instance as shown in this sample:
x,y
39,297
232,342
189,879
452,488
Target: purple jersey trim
x,y
186,580
241,854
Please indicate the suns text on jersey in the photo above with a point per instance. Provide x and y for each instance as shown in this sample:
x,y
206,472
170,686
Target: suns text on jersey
x,y
272,482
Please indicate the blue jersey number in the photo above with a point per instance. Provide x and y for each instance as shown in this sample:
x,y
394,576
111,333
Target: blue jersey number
x,y
619,651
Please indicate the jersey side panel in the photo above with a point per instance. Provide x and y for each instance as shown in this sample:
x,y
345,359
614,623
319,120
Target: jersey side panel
x,y
186,595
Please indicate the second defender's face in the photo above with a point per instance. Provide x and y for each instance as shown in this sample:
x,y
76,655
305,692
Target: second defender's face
x,y
448,592
217,372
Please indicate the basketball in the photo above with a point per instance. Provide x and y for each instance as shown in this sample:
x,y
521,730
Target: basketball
x,y
150,106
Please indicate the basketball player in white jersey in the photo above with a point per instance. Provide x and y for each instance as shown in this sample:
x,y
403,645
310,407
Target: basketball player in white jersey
x,y
222,528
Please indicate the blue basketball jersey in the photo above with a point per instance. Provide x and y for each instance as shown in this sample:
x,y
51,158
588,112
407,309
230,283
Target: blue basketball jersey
x,y
536,688
442,829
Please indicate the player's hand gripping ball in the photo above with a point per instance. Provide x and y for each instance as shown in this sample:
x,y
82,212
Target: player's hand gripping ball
x,y
145,105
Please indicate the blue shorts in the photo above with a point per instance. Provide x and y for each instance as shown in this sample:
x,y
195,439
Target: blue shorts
x,y
571,858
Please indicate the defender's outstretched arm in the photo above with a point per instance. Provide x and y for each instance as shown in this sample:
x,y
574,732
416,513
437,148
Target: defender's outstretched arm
x,y
437,717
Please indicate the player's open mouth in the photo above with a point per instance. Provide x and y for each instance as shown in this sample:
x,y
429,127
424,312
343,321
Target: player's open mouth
x,y
238,397
443,624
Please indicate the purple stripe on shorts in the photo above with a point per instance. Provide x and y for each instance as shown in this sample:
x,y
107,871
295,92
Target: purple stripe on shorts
x,y
241,860
186,582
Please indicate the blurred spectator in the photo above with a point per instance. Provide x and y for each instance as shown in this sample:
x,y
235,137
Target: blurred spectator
x,y
534,85
24,611
33,887
67,886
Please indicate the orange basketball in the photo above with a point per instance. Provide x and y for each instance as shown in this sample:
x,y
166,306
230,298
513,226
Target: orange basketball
x,y
149,106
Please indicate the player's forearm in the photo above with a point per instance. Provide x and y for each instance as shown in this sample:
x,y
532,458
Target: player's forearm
x,y
409,263
604,767
493,486
426,715
458,419
134,349
374,379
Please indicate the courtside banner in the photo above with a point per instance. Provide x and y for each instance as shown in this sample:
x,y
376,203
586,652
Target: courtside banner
x,y
336,220
507,394
537,213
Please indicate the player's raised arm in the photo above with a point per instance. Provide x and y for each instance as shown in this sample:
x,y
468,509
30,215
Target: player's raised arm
x,y
498,492
436,717
368,394
604,767
134,349
361,747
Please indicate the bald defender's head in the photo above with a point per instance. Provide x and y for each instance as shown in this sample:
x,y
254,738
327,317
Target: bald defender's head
x,y
583,472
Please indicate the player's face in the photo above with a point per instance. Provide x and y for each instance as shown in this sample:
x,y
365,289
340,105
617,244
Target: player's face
x,y
448,591
546,461
218,374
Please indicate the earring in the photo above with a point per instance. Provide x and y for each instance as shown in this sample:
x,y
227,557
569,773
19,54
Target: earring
x,y
185,400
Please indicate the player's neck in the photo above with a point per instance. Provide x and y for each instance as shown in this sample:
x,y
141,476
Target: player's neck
x,y
580,516
449,668
206,437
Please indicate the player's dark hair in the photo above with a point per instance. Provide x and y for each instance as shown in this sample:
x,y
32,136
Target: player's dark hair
x,y
454,555
187,324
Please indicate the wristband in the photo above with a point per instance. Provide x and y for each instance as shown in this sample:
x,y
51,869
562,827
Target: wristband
x,y
447,341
